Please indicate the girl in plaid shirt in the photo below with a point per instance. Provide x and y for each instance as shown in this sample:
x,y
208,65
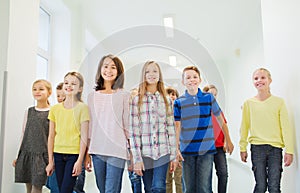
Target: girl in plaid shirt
x,y
152,130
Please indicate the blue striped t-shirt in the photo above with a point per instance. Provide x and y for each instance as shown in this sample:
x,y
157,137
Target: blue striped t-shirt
x,y
194,113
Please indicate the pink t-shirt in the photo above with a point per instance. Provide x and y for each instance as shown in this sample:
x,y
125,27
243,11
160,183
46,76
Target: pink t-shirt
x,y
108,129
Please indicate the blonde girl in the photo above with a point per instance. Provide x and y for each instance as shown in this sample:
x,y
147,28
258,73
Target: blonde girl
x,y
33,157
265,125
108,136
152,131
68,134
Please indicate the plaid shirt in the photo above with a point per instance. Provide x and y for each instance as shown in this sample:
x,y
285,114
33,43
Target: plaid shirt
x,y
151,129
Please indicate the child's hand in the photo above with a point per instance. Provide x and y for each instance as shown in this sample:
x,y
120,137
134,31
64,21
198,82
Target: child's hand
x,y
288,159
179,156
138,168
173,166
14,163
130,163
229,147
50,169
88,163
77,168
244,156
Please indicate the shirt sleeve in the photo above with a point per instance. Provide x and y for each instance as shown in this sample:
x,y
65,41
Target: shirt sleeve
x,y
216,110
171,132
177,110
126,97
134,130
90,106
287,132
244,129
85,115
51,115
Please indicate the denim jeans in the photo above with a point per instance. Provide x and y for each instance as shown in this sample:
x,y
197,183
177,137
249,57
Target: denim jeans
x,y
267,168
108,172
79,184
221,169
51,183
197,172
136,182
64,166
154,176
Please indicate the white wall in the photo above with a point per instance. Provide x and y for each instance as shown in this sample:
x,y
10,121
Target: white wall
x,y
60,42
21,60
282,47
237,71
4,18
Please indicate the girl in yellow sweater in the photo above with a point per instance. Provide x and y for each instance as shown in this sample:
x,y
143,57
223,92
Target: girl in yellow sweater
x,y
265,119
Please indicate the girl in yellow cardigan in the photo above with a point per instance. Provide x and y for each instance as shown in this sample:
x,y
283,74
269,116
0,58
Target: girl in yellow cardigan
x,y
265,120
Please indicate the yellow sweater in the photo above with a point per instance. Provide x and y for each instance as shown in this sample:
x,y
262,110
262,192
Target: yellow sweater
x,y
67,127
268,123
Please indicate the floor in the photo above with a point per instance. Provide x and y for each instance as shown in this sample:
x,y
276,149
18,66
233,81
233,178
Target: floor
x,y
235,167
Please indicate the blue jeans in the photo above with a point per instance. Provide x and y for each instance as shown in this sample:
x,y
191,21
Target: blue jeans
x,y
267,168
64,166
154,176
221,169
136,182
108,173
197,172
51,183
79,184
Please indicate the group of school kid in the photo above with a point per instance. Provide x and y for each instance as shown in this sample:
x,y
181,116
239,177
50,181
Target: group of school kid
x,y
160,135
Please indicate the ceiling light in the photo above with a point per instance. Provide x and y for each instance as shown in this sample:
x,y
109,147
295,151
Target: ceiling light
x,y
169,26
172,61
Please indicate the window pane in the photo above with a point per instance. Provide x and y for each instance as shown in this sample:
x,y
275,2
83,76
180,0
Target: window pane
x,y
41,68
44,26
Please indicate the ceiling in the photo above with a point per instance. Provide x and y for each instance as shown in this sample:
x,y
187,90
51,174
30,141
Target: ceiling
x,y
217,25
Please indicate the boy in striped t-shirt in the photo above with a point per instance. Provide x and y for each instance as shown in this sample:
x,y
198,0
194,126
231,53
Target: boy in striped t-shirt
x,y
192,112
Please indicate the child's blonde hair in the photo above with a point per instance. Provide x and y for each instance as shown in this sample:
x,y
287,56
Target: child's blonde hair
x,y
81,81
47,84
160,85
263,69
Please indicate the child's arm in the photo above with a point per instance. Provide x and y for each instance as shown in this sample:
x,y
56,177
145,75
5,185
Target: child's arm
x,y
135,137
83,144
125,117
23,130
228,143
178,130
171,131
244,132
287,134
87,159
50,166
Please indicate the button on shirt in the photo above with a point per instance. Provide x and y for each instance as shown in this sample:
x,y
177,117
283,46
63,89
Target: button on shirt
x,y
151,130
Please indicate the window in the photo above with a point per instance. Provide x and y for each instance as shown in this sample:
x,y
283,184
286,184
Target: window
x,y
43,53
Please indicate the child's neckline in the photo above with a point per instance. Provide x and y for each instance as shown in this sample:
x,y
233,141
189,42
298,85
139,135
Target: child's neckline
x,y
262,99
106,91
42,109
70,107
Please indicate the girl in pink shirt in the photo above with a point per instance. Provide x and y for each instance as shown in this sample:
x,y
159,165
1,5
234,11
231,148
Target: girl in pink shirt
x,y
108,106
